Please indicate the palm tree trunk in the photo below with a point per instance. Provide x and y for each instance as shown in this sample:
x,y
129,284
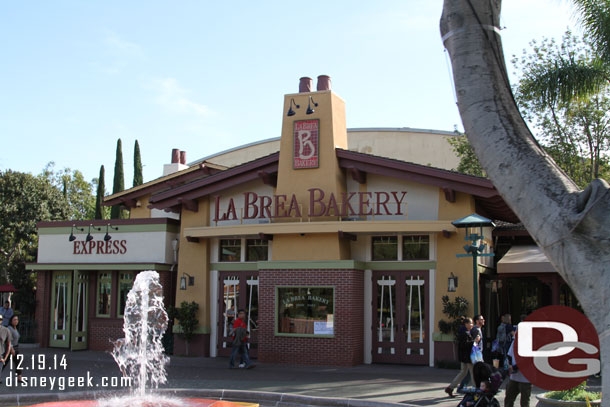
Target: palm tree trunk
x,y
572,227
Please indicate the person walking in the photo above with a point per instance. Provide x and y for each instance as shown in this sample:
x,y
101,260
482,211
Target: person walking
x,y
477,329
7,313
465,341
240,341
505,334
12,327
5,343
517,384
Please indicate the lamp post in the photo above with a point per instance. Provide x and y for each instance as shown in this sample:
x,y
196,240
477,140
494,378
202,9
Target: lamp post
x,y
474,225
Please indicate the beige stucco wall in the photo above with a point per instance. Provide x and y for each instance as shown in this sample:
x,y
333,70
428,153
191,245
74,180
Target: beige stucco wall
x,y
447,248
141,211
194,259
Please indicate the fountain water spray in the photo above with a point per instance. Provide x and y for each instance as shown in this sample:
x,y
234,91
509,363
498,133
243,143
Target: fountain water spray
x,y
140,354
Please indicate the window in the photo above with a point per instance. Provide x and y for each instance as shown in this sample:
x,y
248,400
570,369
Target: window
x,y
416,247
385,247
257,250
104,287
305,310
230,250
125,284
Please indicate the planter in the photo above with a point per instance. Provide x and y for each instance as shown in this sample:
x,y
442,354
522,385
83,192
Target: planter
x,y
546,402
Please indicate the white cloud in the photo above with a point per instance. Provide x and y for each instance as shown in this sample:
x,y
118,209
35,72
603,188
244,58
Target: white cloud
x,y
116,43
174,98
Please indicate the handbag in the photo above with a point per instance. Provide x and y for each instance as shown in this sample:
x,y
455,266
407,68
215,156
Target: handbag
x,y
476,355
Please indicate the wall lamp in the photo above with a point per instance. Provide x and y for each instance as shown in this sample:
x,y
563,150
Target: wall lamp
x,y
183,280
107,237
309,109
72,237
89,237
452,283
290,111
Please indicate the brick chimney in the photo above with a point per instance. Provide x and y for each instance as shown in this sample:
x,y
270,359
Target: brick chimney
x,y
178,162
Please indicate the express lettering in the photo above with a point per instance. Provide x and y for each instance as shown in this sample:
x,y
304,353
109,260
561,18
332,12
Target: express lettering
x,y
100,247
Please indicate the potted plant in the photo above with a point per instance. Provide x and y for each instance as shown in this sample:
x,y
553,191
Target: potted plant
x,y
186,315
575,397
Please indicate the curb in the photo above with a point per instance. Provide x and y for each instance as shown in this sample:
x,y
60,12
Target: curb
x,y
266,399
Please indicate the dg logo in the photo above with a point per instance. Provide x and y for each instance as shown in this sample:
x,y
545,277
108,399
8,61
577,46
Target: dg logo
x,y
556,348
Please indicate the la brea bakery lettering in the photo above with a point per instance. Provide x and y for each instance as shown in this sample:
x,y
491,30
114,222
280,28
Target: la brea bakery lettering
x,y
320,204
100,247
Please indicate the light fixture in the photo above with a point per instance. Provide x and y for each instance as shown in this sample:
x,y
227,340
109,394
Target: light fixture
x,y
309,109
191,280
290,111
107,237
452,283
72,237
89,237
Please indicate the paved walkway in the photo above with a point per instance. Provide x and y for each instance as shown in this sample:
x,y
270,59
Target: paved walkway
x,y
377,384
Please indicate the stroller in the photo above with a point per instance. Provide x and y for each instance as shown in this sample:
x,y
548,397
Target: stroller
x,y
475,397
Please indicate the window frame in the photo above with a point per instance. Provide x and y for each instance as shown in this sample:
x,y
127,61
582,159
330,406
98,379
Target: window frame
x,y
402,247
103,276
277,311
121,280
239,256
247,252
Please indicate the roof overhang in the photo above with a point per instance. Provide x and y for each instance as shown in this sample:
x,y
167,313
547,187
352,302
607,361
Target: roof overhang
x,y
525,259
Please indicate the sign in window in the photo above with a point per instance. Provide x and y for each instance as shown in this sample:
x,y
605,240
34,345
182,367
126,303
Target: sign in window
x,y
305,310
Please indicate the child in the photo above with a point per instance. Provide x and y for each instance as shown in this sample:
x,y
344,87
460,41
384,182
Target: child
x,y
484,388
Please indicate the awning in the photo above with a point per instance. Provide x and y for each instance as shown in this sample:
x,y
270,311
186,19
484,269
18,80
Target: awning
x,y
7,288
525,259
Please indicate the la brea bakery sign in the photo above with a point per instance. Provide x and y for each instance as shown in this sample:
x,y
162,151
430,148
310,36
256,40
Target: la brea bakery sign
x,y
345,204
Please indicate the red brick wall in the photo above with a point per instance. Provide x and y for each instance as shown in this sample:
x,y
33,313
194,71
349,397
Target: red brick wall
x,y
102,331
347,346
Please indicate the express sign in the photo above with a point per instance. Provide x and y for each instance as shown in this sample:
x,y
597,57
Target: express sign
x,y
320,204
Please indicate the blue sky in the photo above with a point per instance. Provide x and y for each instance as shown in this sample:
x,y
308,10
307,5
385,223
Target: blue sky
x,y
205,76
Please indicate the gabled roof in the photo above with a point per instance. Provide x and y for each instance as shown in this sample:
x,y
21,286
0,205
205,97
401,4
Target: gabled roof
x,y
260,168
183,189
129,196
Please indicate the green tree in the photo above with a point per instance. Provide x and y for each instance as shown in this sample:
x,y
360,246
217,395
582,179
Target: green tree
x,y
569,78
186,315
100,210
138,178
77,192
574,131
119,181
469,163
25,200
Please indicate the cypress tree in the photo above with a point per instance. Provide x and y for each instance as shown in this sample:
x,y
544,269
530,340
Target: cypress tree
x,y
99,196
119,180
138,178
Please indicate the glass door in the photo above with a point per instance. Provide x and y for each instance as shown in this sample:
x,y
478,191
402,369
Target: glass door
x,y
61,309
80,298
400,317
237,290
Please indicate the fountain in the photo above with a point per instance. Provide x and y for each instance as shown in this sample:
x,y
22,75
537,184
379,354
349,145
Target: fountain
x,y
140,353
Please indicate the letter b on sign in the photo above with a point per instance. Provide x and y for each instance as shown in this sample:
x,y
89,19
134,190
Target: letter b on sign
x,y
556,348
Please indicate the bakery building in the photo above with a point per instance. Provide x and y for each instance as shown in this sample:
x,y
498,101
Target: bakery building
x,y
338,243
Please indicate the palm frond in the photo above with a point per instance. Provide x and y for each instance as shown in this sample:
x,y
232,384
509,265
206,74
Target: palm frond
x,y
566,80
595,18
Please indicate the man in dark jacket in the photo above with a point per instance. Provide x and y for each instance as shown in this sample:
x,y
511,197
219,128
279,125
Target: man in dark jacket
x,y
465,342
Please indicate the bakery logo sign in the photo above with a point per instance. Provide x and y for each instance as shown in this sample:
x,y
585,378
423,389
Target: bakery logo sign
x,y
306,144
557,348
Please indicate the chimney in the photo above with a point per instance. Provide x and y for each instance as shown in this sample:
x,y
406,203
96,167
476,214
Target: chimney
x,y
305,84
323,82
178,162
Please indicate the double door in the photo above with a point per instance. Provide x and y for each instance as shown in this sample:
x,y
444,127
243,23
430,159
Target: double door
x,y
69,306
400,317
237,290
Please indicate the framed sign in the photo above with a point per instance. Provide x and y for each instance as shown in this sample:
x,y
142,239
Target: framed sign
x,y
305,311
306,144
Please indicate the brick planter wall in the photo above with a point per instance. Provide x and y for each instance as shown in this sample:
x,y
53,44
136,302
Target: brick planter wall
x,y
347,346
